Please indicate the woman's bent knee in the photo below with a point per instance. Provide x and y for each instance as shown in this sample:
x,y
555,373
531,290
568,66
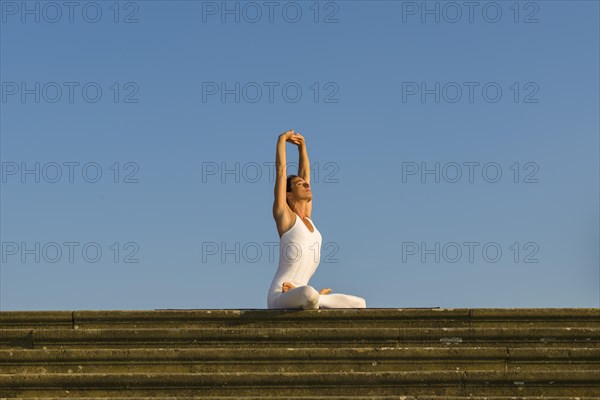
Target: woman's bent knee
x,y
305,297
312,298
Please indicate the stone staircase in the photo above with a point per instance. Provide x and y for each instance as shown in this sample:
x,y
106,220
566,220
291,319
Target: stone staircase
x,y
373,353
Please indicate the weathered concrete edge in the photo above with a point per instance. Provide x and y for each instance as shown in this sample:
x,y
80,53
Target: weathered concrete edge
x,y
73,317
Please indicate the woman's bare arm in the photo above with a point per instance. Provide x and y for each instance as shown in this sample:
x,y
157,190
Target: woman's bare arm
x,y
280,204
304,164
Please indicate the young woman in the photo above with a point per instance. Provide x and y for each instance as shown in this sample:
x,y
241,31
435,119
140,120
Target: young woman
x,y
300,240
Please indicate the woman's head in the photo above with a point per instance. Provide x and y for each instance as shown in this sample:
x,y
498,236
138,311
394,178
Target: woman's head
x,y
298,189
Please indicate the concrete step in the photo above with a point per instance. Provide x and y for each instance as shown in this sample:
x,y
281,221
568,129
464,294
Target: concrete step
x,y
334,318
454,383
265,335
240,359
333,397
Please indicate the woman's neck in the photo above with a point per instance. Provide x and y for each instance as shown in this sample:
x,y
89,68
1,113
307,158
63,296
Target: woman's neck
x,y
301,211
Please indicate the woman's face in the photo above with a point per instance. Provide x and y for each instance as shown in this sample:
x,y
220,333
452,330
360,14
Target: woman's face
x,y
301,189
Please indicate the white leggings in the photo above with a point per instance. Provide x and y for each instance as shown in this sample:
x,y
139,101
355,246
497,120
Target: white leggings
x,y
308,298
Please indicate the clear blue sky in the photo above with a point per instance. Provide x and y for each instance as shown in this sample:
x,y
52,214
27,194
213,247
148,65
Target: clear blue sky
x,y
366,72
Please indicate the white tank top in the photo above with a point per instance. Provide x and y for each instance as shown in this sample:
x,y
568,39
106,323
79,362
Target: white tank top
x,y
299,256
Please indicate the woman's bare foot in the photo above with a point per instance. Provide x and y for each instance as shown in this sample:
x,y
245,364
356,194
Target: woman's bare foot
x,y
287,286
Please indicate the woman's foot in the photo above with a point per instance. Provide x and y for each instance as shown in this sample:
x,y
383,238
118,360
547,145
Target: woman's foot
x,y
287,286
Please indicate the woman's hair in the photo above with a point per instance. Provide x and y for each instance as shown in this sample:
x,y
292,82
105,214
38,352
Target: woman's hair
x,y
288,183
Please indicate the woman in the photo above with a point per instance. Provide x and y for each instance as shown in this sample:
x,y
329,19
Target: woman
x,y
300,240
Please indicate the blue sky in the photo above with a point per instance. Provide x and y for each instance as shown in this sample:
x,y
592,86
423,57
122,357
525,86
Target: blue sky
x,y
178,105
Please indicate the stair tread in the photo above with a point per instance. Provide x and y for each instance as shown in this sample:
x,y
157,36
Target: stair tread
x,y
327,398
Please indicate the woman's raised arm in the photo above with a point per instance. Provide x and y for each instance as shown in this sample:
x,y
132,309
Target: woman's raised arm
x,y
280,204
304,164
